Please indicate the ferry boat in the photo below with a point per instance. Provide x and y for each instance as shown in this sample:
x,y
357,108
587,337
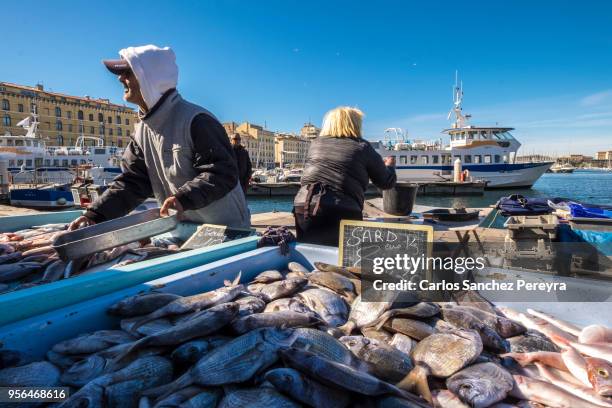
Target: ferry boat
x,y
27,153
488,153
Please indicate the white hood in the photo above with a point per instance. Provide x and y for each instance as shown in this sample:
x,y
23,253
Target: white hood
x,y
155,69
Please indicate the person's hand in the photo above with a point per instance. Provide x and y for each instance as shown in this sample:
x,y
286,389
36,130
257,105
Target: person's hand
x,y
171,203
390,161
80,222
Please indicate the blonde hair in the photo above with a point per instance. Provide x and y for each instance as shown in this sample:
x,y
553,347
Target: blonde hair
x,y
343,121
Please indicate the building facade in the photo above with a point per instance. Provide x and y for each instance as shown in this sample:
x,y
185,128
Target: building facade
x,y
63,118
606,155
309,131
258,141
290,150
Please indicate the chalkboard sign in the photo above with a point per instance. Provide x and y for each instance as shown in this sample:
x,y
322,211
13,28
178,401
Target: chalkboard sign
x,y
210,234
366,239
363,242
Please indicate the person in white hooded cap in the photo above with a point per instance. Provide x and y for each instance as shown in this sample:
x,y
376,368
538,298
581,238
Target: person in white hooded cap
x,y
180,153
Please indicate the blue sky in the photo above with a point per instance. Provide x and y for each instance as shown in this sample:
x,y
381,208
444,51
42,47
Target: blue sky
x,y
543,67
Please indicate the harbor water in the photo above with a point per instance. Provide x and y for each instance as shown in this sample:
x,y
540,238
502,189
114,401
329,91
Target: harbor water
x,y
585,186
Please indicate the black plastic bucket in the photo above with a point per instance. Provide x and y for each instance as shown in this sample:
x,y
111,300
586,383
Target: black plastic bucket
x,y
399,200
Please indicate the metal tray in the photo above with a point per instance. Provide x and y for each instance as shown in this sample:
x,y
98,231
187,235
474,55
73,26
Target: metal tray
x,y
109,234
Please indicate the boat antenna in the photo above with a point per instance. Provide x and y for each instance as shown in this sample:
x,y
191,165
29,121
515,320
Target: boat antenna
x,y
460,119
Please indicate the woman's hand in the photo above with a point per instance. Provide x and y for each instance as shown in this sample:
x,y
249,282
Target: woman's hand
x,y
80,222
171,203
390,161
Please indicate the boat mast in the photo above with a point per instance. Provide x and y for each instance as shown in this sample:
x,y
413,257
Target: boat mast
x,y
460,119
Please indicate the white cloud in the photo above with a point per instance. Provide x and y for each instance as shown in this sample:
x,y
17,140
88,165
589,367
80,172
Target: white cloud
x,y
596,98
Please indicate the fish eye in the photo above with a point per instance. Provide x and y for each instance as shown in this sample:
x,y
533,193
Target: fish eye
x,y
466,386
602,372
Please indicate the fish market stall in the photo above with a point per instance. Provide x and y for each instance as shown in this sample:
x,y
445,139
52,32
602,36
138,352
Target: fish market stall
x,y
264,329
33,278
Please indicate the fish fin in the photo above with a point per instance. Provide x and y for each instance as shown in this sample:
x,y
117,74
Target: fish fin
x,y
146,319
417,380
237,280
380,322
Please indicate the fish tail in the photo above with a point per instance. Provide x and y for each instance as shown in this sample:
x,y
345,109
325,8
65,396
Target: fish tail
x,y
235,282
380,322
138,344
417,380
347,327
146,319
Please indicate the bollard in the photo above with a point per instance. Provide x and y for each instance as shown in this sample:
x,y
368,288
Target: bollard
x,y
457,171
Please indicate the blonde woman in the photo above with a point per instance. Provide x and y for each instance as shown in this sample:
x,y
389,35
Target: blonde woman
x,y
336,175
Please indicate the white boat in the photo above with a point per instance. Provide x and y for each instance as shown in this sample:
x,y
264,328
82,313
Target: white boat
x,y
488,153
24,154
562,168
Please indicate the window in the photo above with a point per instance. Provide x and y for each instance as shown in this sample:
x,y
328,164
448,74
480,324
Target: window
x,y
74,162
55,162
83,161
6,105
80,115
127,133
127,121
110,131
424,159
91,117
19,143
81,128
47,162
9,142
413,159
446,159
12,163
29,162
6,121
19,162
455,157
120,142
70,127
60,140
467,158
20,107
403,160
487,158
110,119
92,130
118,120
58,112
477,159
497,158
58,125
101,130
119,132
435,159
100,117
69,114
65,162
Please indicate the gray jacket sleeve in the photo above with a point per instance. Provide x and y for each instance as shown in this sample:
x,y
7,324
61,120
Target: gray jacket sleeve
x,y
127,191
382,176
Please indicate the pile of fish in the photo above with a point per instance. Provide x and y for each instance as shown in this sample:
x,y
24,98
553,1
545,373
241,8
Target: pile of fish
x,y
306,338
28,259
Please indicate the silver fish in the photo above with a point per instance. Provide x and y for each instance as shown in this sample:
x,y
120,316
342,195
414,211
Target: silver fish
x,y
141,304
334,281
462,319
201,324
249,305
415,329
93,342
297,267
402,342
193,303
283,288
37,374
340,375
306,390
420,310
441,355
282,319
481,385
502,325
531,341
268,277
234,362
293,304
363,314
323,344
387,362
54,271
147,329
15,271
174,400
64,361
263,397
327,304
